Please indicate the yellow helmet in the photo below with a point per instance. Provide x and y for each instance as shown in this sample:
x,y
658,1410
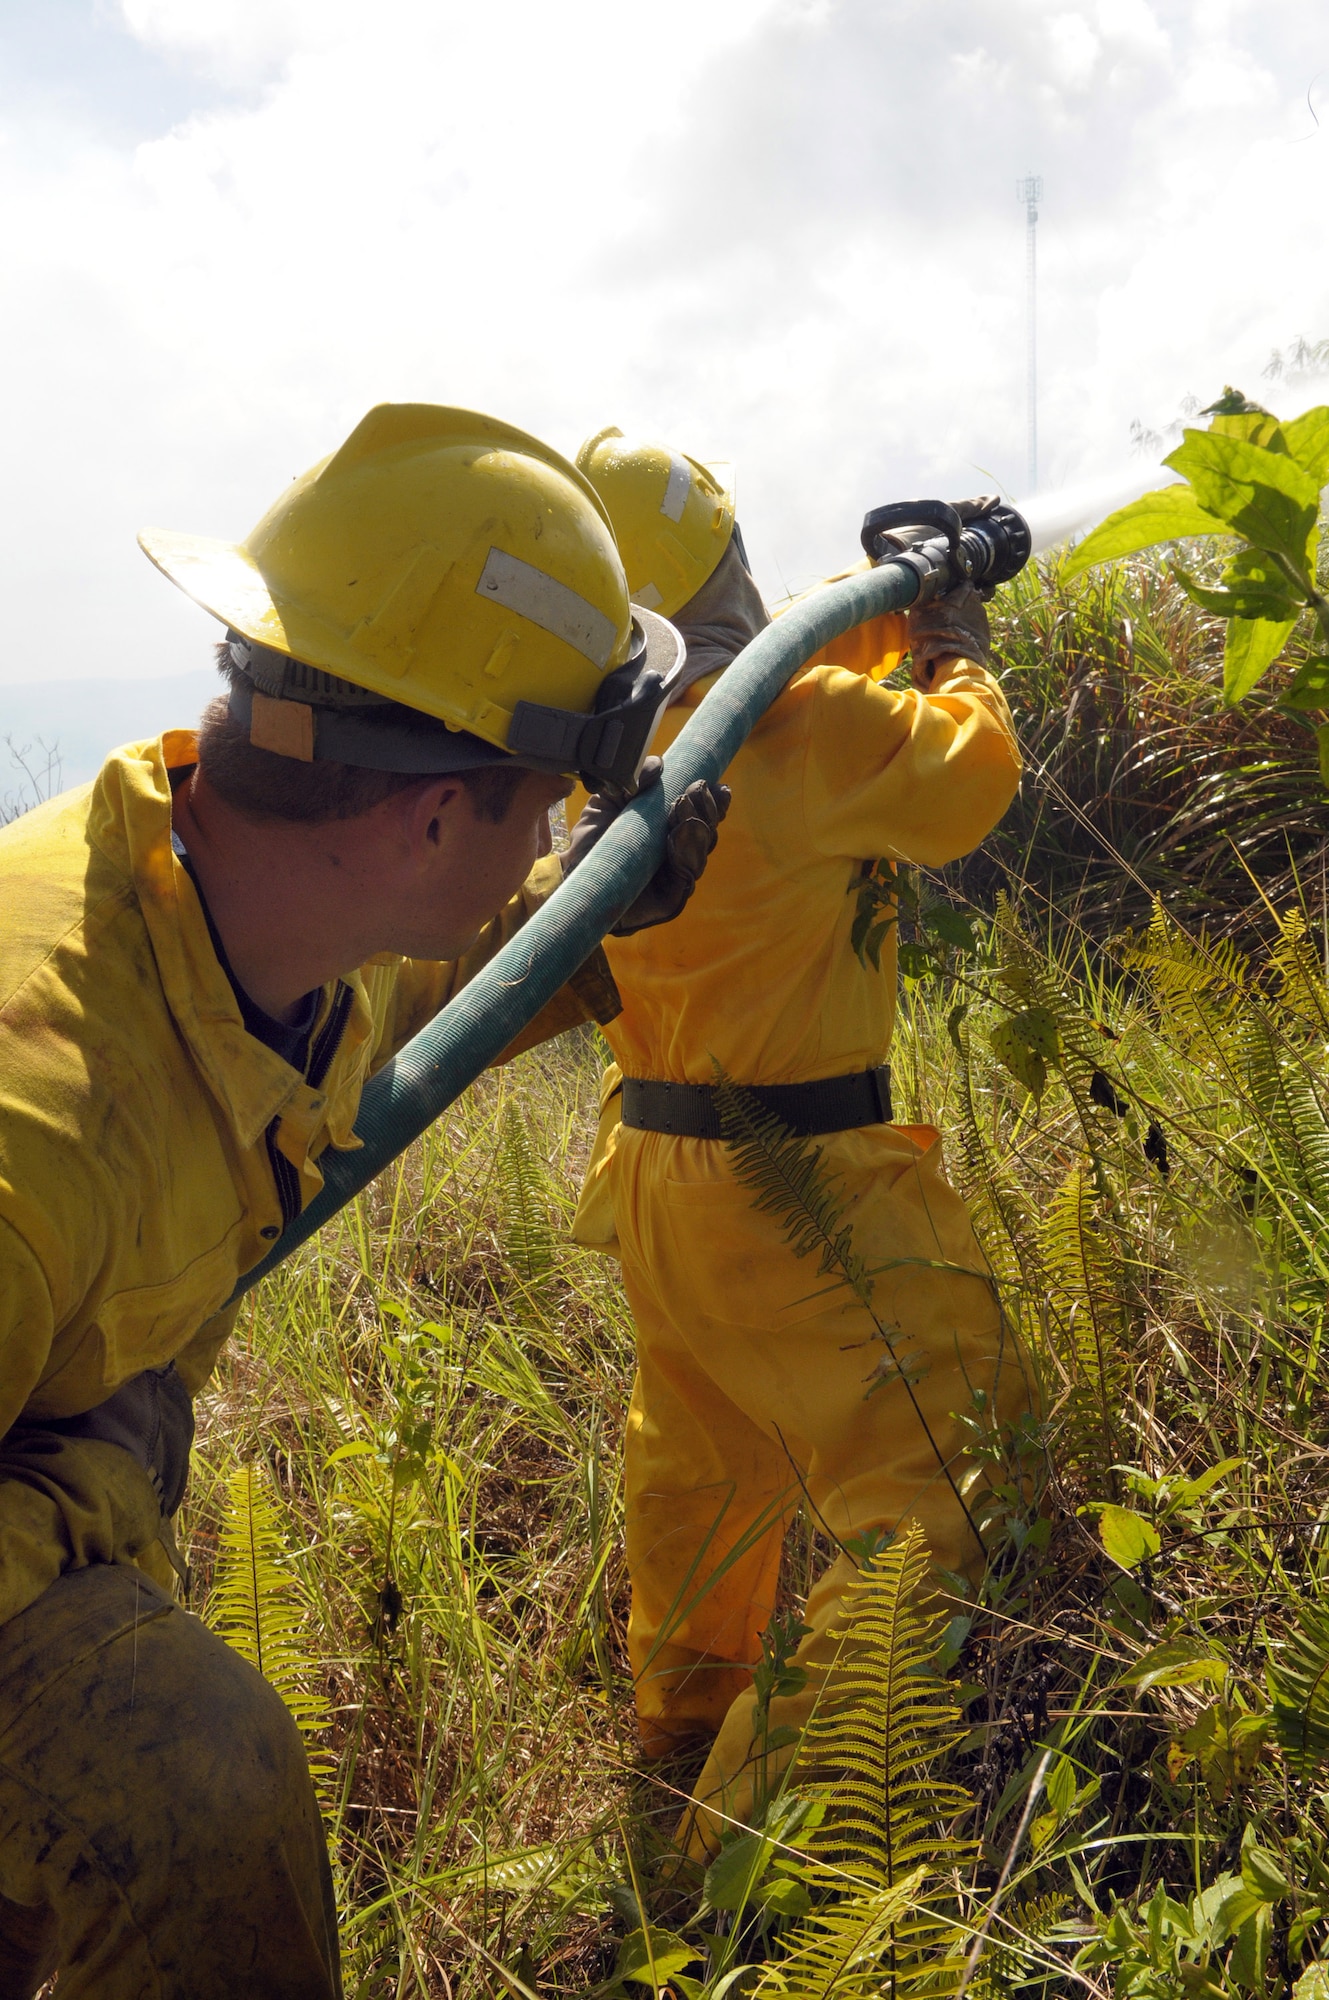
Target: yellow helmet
x,y
673,516
444,562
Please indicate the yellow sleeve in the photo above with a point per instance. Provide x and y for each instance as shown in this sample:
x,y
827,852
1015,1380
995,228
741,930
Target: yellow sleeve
x,y
425,985
874,650
908,776
64,1502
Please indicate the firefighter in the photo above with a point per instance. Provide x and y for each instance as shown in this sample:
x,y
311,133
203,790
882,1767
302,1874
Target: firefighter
x,y
752,1392
205,954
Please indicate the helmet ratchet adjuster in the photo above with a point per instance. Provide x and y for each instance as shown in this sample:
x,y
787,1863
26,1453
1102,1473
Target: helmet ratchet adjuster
x,y
608,747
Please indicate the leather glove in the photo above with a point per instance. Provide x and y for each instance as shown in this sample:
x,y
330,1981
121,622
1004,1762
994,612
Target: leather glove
x,y
950,626
691,831
150,1415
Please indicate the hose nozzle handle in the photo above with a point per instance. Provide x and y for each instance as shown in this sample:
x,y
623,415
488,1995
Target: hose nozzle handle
x,y
982,542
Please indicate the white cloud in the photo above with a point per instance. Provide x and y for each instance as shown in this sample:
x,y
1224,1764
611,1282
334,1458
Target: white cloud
x,y
782,231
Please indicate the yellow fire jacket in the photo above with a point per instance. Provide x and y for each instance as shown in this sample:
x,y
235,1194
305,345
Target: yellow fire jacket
x,y
840,771
143,1133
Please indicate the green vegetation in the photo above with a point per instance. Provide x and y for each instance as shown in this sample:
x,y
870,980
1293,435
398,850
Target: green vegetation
x,y
1108,1771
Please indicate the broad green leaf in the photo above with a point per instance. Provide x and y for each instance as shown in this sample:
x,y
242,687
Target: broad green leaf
x,y
654,1952
1026,1043
1310,687
1308,441
1037,1029
785,1896
1252,646
1059,1786
1172,514
1262,1872
1177,1663
1194,1489
736,1870
1261,494
1314,1982
1250,1950
1269,601
952,926
1255,426
1128,1538
344,1451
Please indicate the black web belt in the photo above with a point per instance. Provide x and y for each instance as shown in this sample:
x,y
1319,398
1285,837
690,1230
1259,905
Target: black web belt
x,y
831,1104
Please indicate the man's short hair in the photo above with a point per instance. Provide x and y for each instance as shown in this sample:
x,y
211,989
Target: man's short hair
x,y
264,786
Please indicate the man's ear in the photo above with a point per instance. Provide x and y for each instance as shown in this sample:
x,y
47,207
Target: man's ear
x,y
426,808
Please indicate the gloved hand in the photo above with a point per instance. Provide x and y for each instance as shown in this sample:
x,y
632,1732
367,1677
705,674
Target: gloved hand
x,y
691,831
150,1415
950,626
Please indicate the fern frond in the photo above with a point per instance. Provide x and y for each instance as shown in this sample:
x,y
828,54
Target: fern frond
x,y
1301,977
1088,1317
1299,1677
885,1723
786,1174
870,1758
528,1239
255,1607
790,1183
856,1949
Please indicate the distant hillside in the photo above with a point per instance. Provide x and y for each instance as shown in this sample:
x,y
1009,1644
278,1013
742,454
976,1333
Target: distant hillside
x,y
84,720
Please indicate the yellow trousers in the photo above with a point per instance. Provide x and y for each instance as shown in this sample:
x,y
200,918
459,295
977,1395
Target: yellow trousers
x,y
761,1385
159,1834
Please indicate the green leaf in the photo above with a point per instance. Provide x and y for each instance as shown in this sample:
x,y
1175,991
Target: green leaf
x,y
915,961
1250,1950
1310,687
1260,494
1269,600
785,1896
344,1451
1262,1874
952,926
1128,1538
1307,438
1195,1489
1170,515
1253,644
649,1956
1026,1043
1256,426
736,1870
1314,1982
1024,1063
1176,1663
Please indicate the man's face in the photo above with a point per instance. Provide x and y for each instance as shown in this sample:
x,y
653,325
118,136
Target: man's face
x,y
468,867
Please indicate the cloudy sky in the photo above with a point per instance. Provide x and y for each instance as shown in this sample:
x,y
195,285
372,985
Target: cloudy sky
x,y
783,232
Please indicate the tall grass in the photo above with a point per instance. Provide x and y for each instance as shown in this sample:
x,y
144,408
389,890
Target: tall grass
x,y
432,1398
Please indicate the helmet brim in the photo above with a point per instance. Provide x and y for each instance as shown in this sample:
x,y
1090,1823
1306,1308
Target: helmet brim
x,y
224,579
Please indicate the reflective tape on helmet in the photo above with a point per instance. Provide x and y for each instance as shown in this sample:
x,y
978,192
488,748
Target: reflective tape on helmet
x,y
521,587
678,489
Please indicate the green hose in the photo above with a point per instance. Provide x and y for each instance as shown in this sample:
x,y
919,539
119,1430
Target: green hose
x,y
419,1084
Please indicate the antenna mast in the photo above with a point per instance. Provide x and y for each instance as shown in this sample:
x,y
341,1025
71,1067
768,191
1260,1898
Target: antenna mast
x,y
1030,192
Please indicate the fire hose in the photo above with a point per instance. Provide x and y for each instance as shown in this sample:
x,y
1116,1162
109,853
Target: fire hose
x,y
920,549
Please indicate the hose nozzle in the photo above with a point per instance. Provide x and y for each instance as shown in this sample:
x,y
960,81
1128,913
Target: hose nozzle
x,y
982,542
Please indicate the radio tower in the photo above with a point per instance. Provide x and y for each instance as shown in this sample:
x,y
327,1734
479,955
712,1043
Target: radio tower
x,y
1030,192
